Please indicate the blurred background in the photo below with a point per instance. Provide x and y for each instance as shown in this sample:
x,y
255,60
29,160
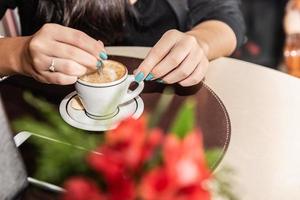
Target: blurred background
x,y
265,34
273,29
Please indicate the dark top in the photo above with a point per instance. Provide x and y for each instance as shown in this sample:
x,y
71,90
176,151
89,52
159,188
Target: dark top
x,y
155,17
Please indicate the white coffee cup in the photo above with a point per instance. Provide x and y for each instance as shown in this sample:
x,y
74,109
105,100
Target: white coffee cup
x,y
101,100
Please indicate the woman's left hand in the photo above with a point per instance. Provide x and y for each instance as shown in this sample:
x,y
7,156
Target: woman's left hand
x,y
176,58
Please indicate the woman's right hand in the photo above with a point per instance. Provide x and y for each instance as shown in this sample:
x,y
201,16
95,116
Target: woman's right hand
x,y
72,53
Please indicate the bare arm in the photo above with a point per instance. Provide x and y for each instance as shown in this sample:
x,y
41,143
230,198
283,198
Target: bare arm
x,y
184,57
12,51
215,37
218,28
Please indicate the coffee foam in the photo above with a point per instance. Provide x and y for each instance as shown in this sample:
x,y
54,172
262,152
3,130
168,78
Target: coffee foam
x,y
112,71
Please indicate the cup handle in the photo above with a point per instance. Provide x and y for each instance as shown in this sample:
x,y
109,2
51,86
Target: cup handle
x,y
133,94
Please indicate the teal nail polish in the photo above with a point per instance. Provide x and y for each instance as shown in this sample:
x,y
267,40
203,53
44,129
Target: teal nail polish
x,y
160,81
99,64
103,56
149,77
139,77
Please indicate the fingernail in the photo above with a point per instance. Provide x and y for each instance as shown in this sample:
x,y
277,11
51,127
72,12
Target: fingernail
x,y
103,56
99,64
149,77
139,77
160,81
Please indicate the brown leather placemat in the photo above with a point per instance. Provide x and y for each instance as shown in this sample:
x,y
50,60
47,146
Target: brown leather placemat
x,y
212,117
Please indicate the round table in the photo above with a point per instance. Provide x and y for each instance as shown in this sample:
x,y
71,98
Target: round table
x,y
210,116
264,108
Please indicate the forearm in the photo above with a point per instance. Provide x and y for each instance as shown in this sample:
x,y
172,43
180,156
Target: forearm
x,y
215,37
12,55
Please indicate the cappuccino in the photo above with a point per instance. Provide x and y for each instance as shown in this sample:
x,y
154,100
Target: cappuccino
x,y
111,71
101,95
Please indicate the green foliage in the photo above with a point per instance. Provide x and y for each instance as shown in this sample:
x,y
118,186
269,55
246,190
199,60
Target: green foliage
x,y
185,119
161,107
224,183
213,156
59,161
63,157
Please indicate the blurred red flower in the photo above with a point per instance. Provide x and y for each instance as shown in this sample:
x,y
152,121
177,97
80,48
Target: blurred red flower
x,y
123,188
109,163
79,188
180,175
126,149
184,173
134,141
186,155
157,185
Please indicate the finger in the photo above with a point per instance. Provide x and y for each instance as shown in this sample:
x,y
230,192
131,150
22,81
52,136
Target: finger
x,y
197,76
39,78
69,52
177,55
65,66
75,38
59,78
156,54
186,68
68,67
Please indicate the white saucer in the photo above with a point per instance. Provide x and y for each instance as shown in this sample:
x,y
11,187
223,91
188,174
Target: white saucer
x,y
79,119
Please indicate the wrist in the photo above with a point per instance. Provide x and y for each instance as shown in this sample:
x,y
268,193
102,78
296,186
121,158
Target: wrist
x,y
202,43
205,47
21,58
14,53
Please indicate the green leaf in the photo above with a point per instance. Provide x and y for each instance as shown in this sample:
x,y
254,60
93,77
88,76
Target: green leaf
x,y
58,162
62,148
185,119
161,107
213,156
224,182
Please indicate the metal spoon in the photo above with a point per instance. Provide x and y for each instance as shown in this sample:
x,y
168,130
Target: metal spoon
x,y
100,66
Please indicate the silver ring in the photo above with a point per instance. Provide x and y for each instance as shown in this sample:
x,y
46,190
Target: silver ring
x,y
52,67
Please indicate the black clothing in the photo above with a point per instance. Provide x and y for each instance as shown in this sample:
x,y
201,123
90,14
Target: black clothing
x,y
154,17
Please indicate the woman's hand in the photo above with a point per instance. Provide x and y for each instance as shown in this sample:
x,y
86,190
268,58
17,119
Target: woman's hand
x,y
176,58
71,52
